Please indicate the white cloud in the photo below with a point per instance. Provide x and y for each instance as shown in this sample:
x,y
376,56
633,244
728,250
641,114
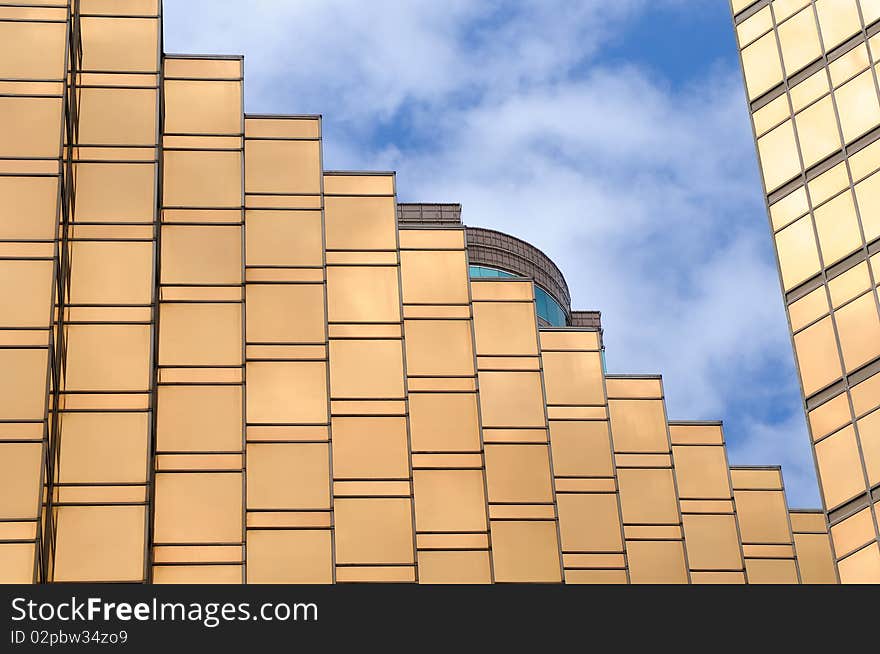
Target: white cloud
x,y
644,193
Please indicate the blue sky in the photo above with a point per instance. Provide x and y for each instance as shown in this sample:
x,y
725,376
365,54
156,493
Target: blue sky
x,y
613,135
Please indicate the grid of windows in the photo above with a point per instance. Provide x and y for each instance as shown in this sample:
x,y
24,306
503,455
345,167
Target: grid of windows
x,y
811,71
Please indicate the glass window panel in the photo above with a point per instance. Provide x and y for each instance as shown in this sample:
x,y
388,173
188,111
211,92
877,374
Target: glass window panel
x,y
287,392
512,399
198,418
638,426
794,205
866,394
518,473
863,567
869,436
701,472
815,560
797,252
849,285
817,356
525,551
573,377
197,574
454,568
108,357
288,476
25,293
812,88
778,153
202,107
754,25
868,196
118,116
712,542
589,522
785,8
838,20
362,294
828,184
278,313
115,192
853,532
202,179
200,335
104,447
366,369
829,416
283,167
23,384
771,114
30,127
870,10
817,131
32,50
202,507
284,238
810,307
505,328
761,64
375,530
360,223
111,273
20,466
201,255
763,517
131,44
434,277
770,571
840,467
100,543
648,496
799,40
853,62
581,448
370,448
439,347
858,106
859,329
443,422
289,557
449,500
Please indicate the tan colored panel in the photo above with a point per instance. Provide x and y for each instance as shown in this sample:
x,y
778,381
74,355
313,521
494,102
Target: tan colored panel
x,y
363,294
30,127
289,557
434,277
370,184
771,571
762,67
573,377
863,567
814,559
17,563
505,328
838,228
199,418
712,542
278,313
28,208
360,223
444,422
454,568
797,252
32,50
202,179
656,562
589,523
777,151
859,328
818,360
283,166
817,131
525,552
100,543
284,238
112,44
869,437
840,467
638,426
118,116
701,471
439,347
838,20
25,293
104,447
201,255
20,466
370,447
829,416
287,392
449,500
108,192
23,384
200,334
203,107
763,517
518,473
198,508
108,357
581,448
648,496
111,273
511,399
365,369
288,476
197,574
374,530
799,40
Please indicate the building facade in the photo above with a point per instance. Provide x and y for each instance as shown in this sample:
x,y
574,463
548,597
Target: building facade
x,y
811,77
220,362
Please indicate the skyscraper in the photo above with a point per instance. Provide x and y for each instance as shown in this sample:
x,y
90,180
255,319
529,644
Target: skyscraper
x,y
810,69
220,362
